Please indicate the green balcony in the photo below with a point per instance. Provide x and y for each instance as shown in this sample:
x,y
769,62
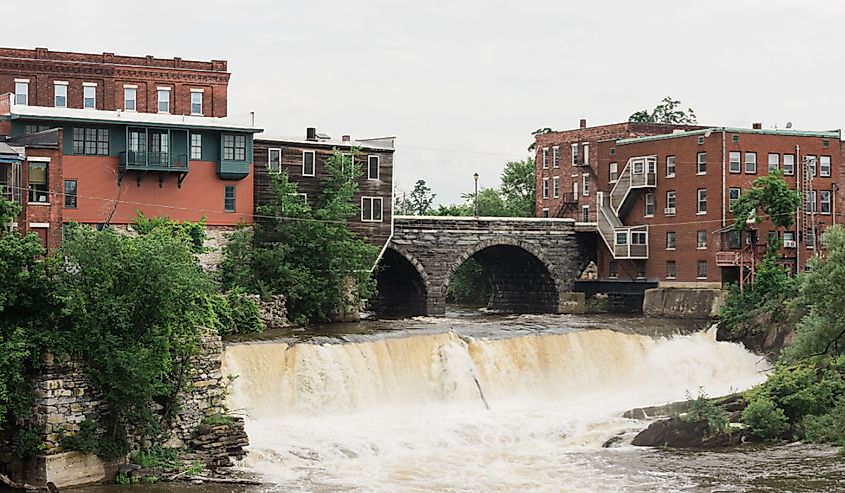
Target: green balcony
x,y
163,163
232,170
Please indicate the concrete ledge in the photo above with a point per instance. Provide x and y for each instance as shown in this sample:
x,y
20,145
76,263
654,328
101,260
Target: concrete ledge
x,y
572,303
683,302
67,469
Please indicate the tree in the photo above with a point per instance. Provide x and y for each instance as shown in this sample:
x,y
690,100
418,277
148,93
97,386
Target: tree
x,y
418,203
666,112
539,131
518,188
771,196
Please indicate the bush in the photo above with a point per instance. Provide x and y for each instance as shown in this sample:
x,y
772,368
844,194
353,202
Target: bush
x,y
704,409
233,313
803,389
764,419
827,428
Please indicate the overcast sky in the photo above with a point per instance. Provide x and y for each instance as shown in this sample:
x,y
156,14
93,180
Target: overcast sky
x,y
463,83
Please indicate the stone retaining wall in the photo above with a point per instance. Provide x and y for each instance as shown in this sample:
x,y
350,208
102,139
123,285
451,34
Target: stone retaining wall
x,y
683,302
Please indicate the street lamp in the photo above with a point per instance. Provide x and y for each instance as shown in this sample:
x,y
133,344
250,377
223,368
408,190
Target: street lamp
x,y
476,193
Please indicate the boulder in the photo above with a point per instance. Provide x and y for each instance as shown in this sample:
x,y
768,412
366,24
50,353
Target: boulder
x,y
679,433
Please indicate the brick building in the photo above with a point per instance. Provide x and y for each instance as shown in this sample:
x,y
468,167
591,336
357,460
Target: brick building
x,y
303,158
661,200
106,136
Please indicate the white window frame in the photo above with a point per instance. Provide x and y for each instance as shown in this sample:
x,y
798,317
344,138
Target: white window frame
x,y
159,92
823,201
699,162
545,157
735,162
545,188
671,162
750,164
813,163
133,89
824,164
313,163
89,86
193,147
545,212
585,213
648,201
698,269
22,95
674,269
674,240
555,187
732,199
574,148
199,92
775,162
56,85
270,169
556,157
370,159
586,146
613,173
699,235
671,202
372,201
699,201
789,171
585,184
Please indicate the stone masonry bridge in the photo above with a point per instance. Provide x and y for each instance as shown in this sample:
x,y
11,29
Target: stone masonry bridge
x,y
531,263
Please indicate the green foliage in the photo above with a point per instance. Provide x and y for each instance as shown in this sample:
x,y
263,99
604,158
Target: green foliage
x,y
703,409
218,419
770,195
764,419
180,229
827,428
308,255
156,457
519,188
666,112
87,439
9,210
233,313
26,442
469,285
418,203
804,388
539,131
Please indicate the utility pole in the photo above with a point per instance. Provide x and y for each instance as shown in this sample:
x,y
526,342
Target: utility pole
x,y
476,194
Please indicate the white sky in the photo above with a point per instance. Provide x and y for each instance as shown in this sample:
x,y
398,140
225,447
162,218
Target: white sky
x,y
463,83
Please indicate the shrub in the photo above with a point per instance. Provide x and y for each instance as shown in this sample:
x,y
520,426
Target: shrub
x,y
704,409
764,419
803,389
827,428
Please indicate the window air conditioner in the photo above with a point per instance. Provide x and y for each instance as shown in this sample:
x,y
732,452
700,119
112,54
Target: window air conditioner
x,y
789,244
669,211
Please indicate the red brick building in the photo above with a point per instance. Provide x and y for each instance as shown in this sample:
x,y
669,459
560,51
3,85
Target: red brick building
x,y
661,200
125,134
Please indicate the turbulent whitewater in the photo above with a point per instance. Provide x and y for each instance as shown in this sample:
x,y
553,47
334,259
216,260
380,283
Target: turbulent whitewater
x,y
410,413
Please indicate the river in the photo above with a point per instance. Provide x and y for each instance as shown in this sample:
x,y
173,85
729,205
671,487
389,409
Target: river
x,y
477,402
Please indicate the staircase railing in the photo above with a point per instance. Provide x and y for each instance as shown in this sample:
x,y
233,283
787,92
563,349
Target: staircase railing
x,y
624,242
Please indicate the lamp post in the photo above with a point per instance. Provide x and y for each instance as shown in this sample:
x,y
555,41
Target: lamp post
x,y
476,194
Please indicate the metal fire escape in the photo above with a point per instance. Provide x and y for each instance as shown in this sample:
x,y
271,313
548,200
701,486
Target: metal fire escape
x,y
626,242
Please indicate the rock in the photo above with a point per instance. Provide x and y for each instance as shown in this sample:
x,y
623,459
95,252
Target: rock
x,y
678,433
663,411
612,442
127,469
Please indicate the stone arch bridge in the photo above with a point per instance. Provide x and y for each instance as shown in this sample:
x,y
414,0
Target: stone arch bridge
x,y
531,263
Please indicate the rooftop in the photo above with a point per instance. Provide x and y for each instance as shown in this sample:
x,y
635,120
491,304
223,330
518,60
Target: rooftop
x,y
378,143
824,134
112,59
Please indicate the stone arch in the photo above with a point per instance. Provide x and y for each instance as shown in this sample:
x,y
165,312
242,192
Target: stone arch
x,y
403,285
522,277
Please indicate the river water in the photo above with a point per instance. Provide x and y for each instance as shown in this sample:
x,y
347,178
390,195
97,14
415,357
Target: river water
x,y
494,404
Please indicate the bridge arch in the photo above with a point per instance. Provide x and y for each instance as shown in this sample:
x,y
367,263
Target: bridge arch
x,y
403,285
521,276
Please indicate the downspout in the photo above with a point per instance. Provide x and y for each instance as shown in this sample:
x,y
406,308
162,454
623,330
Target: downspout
x,y
798,171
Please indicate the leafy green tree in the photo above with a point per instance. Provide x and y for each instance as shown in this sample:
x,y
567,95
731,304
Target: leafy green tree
x,y
307,254
771,196
518,188
418,203
539,131
668,111
490,203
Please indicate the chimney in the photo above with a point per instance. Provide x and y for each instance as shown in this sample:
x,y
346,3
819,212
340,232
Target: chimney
x,y
310,133
757,126
345,138
583,123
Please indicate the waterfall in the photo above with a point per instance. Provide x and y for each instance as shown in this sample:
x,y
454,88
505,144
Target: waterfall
x,y
391,410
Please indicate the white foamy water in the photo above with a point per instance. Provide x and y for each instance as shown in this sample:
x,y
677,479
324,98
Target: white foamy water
x,y
405,414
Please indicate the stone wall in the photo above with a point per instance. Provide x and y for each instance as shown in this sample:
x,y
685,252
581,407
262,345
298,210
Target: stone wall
x,y
216,239
273,312
683,302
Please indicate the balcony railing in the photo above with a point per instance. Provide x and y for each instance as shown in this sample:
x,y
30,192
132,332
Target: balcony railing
x,y
733,258
153,161
570,198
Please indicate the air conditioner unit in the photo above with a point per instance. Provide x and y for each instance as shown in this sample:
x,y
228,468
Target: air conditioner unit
x,y
789,244
669,211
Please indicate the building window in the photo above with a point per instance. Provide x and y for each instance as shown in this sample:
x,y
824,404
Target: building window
x,y
774,162
613,270
670,166
735,138
39,182
60,94
649,204
700,140
701,163
70,194
670,240
545,158
789,164
585,184
612,151
163,100
810,239
274,161
308,158
585,213
733,196
811,164
31,129
701,239
574,154
196,146
824,201
702,201
773,236
89,95
545,188
373,167
556,157
810,202
91,141
670,203
229,198
789,239
824,165
614,172
639,237
734,163
734,239
196,102
670,269
371,209
702,269
22,91
586,153
130,98
751,163
234,147
545,212
621,238
555,186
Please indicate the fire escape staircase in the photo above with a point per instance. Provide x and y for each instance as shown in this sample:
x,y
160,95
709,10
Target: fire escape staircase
x,y
626,242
